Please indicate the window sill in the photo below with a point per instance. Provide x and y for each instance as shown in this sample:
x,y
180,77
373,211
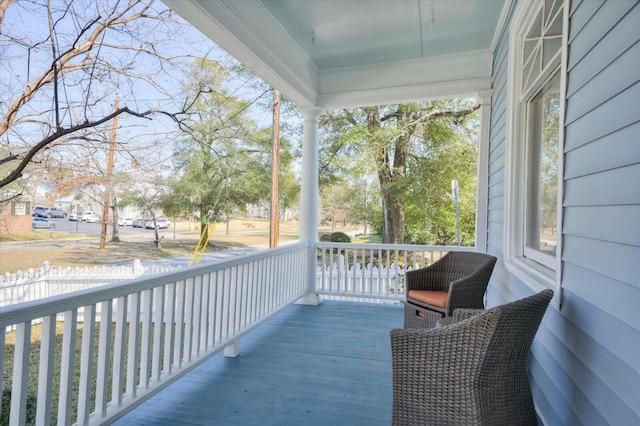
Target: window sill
x,y
535,276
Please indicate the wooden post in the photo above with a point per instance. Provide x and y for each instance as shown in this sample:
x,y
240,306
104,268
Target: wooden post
x,y
107,183
274,229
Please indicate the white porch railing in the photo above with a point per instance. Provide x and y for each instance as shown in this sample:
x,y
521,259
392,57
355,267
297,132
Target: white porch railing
x,y
164,325
370,272
160,327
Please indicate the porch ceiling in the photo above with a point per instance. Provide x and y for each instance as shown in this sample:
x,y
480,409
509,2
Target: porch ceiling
x,y
340,53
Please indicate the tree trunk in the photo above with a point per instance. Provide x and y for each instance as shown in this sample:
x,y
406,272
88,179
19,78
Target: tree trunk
x,y
393,212
388,175
115,234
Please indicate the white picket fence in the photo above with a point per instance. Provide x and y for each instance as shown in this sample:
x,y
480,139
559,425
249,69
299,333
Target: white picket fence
x,y
47,281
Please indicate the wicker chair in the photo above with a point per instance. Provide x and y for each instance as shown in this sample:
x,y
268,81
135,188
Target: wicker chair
x,y
457,280
471,372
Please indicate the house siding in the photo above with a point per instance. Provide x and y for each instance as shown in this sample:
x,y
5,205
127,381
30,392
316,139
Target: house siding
x,y
585,361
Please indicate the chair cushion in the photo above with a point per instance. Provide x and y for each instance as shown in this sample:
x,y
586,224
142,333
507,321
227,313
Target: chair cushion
x,y
430,297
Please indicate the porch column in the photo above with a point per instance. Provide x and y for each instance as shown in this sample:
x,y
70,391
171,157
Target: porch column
x,y
482,190
309,200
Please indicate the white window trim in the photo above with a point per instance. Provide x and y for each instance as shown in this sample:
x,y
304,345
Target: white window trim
x,y
534,275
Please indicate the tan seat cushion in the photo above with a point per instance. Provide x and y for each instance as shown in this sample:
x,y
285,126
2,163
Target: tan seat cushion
x,y
430,297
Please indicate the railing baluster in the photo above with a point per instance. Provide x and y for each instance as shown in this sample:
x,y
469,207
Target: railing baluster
x,y
170,329
146,350
179,325
197,318
156,357
66,366
189,313
245,296
118,351
233,306
20,382
226,297
212,310
45,370
204,312
219,306
255,296
133,359
86,364
104,351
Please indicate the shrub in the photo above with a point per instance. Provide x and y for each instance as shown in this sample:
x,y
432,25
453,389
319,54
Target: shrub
x,y
340,237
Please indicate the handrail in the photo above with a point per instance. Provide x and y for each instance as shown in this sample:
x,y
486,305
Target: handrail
x,y
27,311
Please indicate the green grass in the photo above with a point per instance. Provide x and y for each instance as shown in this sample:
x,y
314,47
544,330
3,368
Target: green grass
x,y
367,239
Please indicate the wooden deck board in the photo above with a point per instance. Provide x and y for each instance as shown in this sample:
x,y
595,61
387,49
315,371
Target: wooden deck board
x,y
308,365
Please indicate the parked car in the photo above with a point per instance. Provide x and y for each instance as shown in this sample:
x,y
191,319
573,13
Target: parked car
x,y
90,217
73,216
48,212
54,212
39,222
162,222
37,211
138,223
125,221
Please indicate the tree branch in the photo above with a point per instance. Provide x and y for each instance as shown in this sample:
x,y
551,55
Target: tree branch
x,y
61,132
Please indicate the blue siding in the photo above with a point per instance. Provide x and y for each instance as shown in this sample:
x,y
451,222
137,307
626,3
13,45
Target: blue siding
x,y
585,362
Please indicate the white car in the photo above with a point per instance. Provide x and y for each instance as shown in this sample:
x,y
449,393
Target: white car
x,y
162,222
125,221
90,217
39,222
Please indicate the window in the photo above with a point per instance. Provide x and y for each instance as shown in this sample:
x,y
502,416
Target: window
x,y
541,191
534,142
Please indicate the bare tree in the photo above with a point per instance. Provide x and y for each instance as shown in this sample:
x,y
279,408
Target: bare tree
x,y
63,62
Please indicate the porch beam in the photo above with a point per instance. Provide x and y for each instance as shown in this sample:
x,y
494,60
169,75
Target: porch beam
x,y
309,200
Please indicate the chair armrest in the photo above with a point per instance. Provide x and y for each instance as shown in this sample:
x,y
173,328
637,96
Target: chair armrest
x,y
468,292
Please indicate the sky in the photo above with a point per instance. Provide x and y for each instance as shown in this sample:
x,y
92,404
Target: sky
x,y
29,22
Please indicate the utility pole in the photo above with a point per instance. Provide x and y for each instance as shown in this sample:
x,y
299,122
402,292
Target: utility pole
x,y
274,228
107,184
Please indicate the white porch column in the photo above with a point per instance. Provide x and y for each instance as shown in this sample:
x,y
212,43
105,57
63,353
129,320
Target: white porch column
x,y
309,200
482,190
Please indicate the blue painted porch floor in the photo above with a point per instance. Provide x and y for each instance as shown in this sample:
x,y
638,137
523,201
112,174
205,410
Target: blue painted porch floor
x,y
308,365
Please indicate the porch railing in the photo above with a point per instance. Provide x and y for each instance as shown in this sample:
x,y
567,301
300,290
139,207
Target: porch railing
x,y
371,272
161,326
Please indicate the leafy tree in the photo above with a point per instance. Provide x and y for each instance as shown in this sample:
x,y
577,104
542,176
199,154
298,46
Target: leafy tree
x,y
394,142
220,160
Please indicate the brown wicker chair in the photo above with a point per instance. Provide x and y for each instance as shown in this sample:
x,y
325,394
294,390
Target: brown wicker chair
x,y
457,280
471,372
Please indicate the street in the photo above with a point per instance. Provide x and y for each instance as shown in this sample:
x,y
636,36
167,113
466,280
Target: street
x,y
65,225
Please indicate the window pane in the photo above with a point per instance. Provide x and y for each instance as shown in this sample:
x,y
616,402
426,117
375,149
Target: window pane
x,y
551,47
542,172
